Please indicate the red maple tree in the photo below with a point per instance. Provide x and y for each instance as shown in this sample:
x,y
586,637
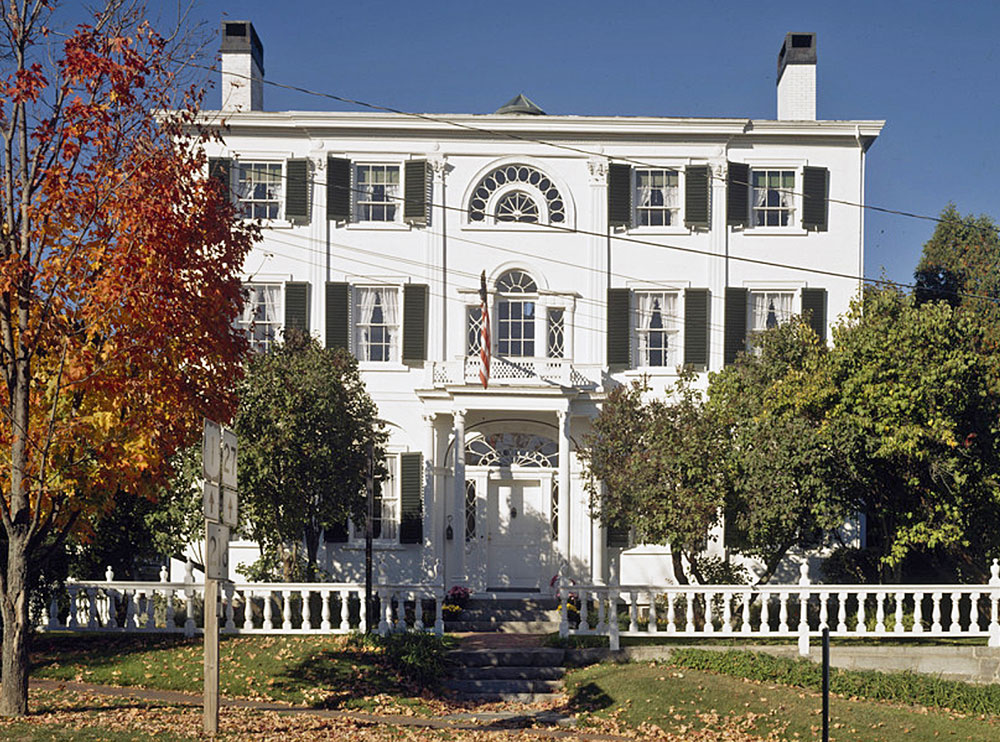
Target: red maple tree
x,y
119,285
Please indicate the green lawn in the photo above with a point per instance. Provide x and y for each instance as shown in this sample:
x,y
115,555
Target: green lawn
x,y
679,698
319,671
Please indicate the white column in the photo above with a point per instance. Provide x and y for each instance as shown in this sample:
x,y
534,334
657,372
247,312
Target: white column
x,y
458,519
433,538
564,485
598,551
718,267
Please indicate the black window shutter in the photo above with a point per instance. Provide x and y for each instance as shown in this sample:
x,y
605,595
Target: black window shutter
x,y
416,192
219,168
616,536
619,195
814,309
335,533
814,192
697,190
736,323
414,323
618,327
696,328
297,307
338,315
411,526
338,189
738,194
297,190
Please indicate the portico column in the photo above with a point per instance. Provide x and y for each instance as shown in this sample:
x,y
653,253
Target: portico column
x,y
458,519
433,537
564,493
598,551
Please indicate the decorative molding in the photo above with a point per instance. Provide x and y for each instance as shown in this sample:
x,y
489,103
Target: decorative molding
x,y
720,169
598,171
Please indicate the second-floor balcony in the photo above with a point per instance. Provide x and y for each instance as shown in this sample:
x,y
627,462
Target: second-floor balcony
x,y
507,372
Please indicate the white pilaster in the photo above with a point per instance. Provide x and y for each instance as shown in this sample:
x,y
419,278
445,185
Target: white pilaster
x,y
458,521
433,536
718,267
564,486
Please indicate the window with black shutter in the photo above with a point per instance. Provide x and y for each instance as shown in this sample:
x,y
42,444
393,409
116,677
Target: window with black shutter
x,y
297,190
697,201
414,323
411,527
416,192
738,194
619,195
814,310
338,189
696,329
338,317
618,347
815,182
735,340
297,307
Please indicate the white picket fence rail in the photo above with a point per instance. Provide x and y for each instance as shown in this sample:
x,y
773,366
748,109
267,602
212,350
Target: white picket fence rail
x,y
244,607
798,611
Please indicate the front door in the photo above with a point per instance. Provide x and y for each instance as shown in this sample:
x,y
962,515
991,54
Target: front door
x,y
518,548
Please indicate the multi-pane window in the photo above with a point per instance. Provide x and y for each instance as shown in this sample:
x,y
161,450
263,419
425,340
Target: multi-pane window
x,y
260,320
259,186
557,333
377,326
474,325
470,510
516,314
657,328
377,193
767,309
385,520
772,197
656,198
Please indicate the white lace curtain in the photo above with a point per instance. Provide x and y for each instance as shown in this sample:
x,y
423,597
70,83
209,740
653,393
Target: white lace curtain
x,y
387,298
769,308
669,189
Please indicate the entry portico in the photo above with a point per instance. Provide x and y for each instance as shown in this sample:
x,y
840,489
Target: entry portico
x,y
510,505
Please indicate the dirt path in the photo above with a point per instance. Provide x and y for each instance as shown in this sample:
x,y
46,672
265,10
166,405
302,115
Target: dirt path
x,y
512,724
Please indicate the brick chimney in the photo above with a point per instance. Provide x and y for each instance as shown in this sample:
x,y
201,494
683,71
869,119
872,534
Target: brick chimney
x,y
797,78
242,67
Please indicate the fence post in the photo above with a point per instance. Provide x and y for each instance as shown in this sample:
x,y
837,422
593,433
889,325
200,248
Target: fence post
x,y
803,608
994,640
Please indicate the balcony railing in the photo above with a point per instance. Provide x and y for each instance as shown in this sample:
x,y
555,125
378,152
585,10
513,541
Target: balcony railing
x,y
512,372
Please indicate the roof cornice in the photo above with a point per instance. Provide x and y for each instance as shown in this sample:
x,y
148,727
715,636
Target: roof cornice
x,y
320,123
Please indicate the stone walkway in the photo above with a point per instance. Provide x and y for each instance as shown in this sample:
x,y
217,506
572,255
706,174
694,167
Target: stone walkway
x,y
513,722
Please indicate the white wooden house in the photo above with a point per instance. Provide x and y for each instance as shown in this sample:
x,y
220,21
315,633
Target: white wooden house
x,y
613,247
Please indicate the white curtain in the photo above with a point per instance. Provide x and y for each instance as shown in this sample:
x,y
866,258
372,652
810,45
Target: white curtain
x,y
668,308
366,305
390,313
671,195
762,304
760,196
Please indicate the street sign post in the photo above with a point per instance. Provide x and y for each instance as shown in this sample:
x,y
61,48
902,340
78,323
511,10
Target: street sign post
x,y
221,508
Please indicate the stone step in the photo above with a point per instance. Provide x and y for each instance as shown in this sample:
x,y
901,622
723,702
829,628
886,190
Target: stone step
x,y
498,687
503,627
533,672
513,657
530,698
510,614
500,603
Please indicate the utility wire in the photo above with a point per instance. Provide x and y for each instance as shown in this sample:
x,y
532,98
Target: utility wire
x,y
440,118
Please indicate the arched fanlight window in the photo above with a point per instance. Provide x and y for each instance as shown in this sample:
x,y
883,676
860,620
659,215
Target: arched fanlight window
x,y
516,193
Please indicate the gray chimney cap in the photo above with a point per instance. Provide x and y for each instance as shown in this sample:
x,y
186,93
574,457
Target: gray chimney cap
x,y
798,48
239,37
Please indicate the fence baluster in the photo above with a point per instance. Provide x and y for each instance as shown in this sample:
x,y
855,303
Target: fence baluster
x,y
709,618
879,613
268,611
746,628
824,615
248,610
689,599
602,625
168,615
652,628
671,613
974,611
898,628
956,599
727,612
362,611
842,612
439,613
230,593
633,612
324,616
112,622
783,613
765,613
345,610
306,610
861,628
584,625
418,613
936,612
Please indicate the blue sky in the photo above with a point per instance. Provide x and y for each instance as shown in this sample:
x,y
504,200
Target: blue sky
x,y
928,68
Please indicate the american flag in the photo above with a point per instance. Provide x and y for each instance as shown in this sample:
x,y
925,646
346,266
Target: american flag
x,y
484,333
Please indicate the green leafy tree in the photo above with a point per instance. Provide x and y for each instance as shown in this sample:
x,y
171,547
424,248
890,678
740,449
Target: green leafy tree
x,y
780,481
914,427
961,265
305,422
657,461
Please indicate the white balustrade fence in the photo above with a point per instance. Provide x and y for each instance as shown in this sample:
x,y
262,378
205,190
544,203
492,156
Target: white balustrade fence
x,y
798,611
244,607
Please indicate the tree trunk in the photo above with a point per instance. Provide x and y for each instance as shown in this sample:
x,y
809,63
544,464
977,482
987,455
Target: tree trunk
x,y
678,563
312,549
14,608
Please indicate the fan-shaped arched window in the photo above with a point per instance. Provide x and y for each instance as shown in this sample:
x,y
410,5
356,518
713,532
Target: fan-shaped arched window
x,y
516,193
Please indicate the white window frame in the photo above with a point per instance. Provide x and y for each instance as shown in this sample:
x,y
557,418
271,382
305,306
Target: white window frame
x,y
391,506
673,324
674,212
790,207
794,305
359,324
359,202
248,322
274,202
